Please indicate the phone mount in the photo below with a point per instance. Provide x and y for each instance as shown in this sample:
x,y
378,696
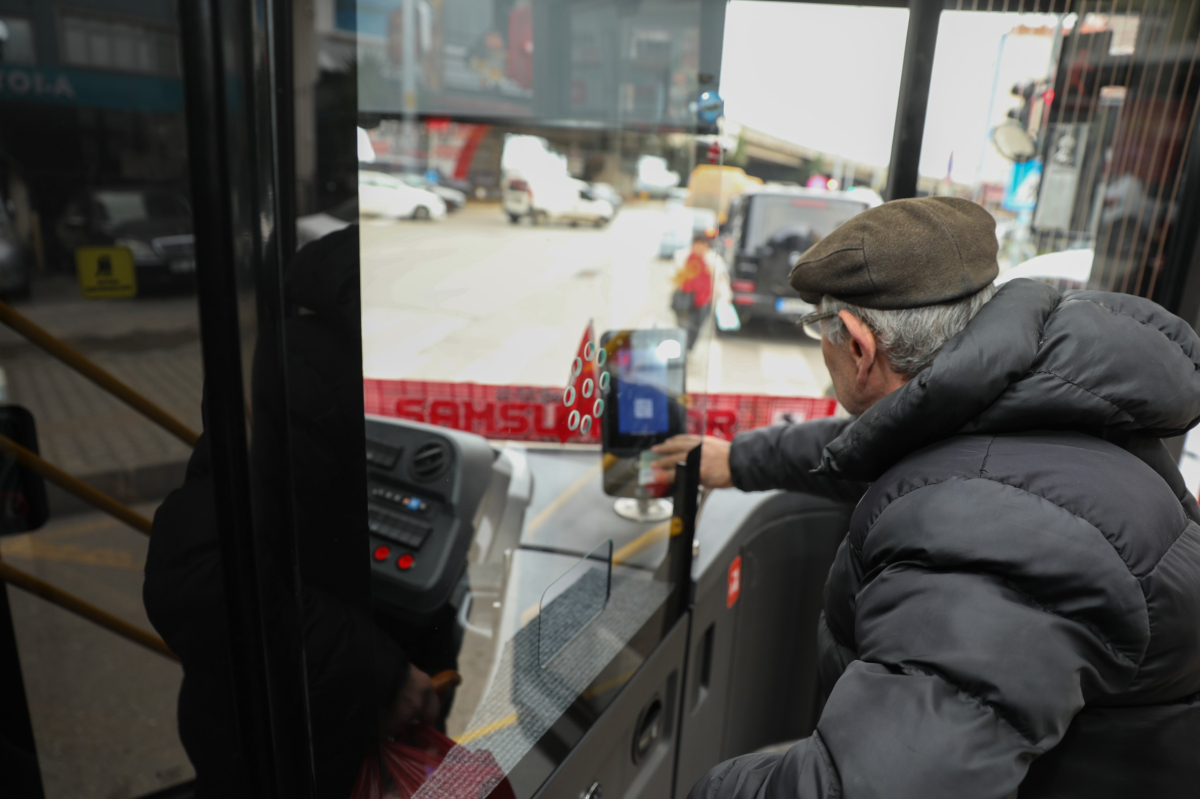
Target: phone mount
x,y
645,386
644,509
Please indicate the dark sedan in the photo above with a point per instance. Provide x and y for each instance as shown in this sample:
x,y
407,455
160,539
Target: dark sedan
x,y
16,262
154,223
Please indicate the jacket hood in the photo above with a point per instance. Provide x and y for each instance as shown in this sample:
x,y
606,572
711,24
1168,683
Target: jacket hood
x,y
1034,359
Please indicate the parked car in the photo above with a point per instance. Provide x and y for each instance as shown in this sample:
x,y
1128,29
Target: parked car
x,y
653,178
767,230
387,196
453,198
1066,270
682,225
16,262
313,226
604,191
155,223
554,199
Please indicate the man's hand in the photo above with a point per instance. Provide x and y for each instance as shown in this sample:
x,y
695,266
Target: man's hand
x,y
415,702
714,458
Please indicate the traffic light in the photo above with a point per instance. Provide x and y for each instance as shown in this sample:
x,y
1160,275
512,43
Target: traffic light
x,y
1022,113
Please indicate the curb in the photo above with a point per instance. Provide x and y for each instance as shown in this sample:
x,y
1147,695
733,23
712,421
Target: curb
x,y
128,486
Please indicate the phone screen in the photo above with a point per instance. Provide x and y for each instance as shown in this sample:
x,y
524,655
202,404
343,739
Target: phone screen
x,y
641,391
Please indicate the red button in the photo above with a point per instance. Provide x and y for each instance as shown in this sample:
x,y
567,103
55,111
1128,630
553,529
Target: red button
x,y
381,553
404,562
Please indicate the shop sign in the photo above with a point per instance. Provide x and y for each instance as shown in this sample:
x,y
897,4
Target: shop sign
x,y
18,83
90,88
106,273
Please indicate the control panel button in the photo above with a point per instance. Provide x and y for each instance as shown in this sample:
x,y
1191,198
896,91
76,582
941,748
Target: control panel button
x,y
394,496
381,552
407,532
381,455
405,562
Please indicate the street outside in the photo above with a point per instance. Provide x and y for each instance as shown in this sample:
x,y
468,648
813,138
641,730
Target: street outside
x,y
475,298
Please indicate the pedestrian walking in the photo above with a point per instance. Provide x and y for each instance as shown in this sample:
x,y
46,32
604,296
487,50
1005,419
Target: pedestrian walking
x,y
692,301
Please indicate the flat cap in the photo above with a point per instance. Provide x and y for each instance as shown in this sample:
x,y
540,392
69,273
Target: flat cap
x,y
902,254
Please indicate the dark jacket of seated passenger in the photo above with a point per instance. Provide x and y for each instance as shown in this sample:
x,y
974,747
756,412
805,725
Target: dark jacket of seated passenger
x,y
1015,610
353,667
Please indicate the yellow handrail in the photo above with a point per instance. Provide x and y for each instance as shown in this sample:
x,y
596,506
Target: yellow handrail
x,y
39,465
37,587
77,361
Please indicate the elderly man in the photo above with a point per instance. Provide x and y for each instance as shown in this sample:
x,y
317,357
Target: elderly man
x,y
1016,607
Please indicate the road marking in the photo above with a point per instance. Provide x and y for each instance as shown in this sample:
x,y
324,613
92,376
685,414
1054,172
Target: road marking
x,y
486,730
557,503
511,718
651,536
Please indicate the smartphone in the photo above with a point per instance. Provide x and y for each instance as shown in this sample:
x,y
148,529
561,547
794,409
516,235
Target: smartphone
x,y
644,384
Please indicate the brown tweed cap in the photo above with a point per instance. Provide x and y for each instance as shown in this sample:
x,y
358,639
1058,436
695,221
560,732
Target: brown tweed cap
x,y
902,254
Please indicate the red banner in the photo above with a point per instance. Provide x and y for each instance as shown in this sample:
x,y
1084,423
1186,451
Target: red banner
x,y
538,413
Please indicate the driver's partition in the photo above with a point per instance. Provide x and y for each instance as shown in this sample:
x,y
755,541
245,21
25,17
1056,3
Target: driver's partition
x,y
536,317
541,192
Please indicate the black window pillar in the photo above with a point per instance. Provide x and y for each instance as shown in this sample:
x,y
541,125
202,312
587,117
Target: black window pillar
x,y
237,81
915,73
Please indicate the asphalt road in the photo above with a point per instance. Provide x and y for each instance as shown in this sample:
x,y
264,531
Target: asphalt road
x,y
475,298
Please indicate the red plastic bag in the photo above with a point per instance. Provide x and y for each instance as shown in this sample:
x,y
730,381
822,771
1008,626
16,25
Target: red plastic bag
x,y
369,783
424,764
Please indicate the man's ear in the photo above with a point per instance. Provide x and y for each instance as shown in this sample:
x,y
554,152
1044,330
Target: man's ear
x,y
862,345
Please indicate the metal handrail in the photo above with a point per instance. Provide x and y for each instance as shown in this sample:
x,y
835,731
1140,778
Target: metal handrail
x,y
80,363
39,465
38,587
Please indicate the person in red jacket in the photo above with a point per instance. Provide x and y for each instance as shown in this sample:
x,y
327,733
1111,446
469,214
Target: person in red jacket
x,y
694,282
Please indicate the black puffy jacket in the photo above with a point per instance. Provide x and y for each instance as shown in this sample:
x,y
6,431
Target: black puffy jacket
x,y
1016,608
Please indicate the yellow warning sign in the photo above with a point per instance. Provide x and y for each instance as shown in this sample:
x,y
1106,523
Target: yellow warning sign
x,y
106,273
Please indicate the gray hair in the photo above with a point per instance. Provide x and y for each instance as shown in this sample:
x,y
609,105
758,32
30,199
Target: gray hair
x,y
909,337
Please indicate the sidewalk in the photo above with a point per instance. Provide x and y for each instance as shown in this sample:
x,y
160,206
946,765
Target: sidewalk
x,y
151,344
96,437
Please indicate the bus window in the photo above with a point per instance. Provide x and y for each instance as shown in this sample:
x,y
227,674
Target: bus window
x,y
101,379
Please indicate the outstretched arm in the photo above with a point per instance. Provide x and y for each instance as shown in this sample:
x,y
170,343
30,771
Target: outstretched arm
x,y
781,456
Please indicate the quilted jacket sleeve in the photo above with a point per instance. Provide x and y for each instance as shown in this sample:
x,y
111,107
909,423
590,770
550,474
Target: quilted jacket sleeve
x,y
783,456
966,671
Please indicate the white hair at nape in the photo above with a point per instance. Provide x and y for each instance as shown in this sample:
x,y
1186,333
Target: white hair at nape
x,y
910,338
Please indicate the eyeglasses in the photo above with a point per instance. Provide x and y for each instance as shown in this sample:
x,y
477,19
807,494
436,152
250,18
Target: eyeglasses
x,y
811,323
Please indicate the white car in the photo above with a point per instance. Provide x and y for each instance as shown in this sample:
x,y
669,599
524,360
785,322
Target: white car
x,y
382,195
653,177
553,200
1069,269
453,198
